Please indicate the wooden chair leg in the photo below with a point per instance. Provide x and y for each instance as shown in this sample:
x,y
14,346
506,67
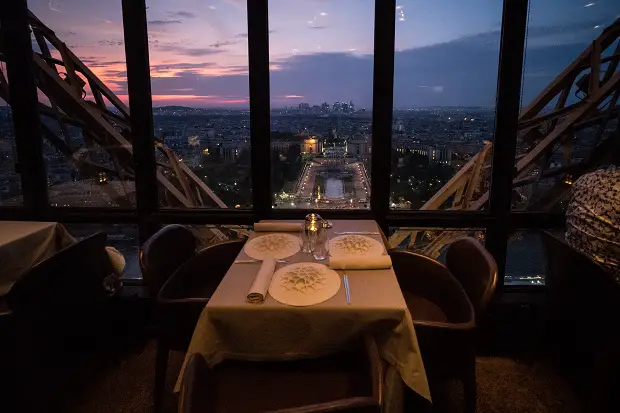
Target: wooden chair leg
x,y
161,364
469,387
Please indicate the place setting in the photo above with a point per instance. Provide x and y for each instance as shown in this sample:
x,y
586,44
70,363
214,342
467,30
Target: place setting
x,y
308,283
305,289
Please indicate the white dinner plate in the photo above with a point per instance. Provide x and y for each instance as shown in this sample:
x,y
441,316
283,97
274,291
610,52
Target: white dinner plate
x,y
353,245
304,284
276,245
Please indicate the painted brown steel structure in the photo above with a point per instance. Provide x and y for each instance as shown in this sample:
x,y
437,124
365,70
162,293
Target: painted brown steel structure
x,y
594,77
79,99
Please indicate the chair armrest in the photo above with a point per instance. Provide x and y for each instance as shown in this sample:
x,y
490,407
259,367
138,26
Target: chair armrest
x,y
200,275
349,405
174,288
176,320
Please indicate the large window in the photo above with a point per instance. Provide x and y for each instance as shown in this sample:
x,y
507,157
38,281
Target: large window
x,y
452,61
525,259
321,61
10,179
199,79
83,98
445,81
564,131
208,235
123,237
431,242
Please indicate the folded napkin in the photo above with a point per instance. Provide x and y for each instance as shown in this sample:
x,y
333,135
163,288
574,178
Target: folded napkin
x,y
360,263
258,290
274,226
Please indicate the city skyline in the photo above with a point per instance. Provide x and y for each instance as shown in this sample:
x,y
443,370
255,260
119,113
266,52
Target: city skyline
x,y
322,50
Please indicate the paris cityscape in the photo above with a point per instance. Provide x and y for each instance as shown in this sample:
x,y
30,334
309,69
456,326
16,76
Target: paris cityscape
x,y
320,159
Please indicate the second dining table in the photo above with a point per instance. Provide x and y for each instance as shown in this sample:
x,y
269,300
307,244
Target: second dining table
x,y
230,327
23,244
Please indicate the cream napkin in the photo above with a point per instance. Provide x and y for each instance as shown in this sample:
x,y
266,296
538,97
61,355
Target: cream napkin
x,y
275,226
360,263
258,290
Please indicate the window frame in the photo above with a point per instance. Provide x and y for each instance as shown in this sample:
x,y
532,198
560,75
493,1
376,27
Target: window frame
x,y
498,220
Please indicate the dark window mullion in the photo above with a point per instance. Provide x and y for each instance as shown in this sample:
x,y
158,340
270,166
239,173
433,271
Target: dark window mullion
x,y
258,62
24,106
141,107
382,102
514,22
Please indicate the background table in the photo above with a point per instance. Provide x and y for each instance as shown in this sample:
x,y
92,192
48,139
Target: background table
x,y
232,328
24,244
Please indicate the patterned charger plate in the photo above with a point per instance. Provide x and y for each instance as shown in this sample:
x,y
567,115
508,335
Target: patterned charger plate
x,y
278,246
355,246
304,284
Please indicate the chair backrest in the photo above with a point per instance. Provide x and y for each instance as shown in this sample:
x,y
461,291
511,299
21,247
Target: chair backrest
x,y
350,381
425,277
67,281
476,270
163,253
202,273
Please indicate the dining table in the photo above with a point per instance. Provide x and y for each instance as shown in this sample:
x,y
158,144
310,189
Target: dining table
x,y
23,244
232,327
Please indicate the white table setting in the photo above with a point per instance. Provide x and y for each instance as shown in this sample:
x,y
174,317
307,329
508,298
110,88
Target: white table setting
x,y
278,302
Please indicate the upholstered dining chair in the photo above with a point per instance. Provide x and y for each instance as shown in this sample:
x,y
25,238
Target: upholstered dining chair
x,y
475,269
181,300
57,310
163,253
443,315
349,381
58,292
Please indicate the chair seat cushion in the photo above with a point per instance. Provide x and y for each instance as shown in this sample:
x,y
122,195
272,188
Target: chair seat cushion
x,y
424,309
296,383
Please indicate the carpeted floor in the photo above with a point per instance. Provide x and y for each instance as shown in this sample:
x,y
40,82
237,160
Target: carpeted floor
x,y
504,385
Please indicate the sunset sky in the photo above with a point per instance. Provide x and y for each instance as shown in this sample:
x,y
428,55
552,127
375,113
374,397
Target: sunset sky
x,y
321,50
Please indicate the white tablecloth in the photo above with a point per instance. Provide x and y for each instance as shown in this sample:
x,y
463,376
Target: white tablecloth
x,y
231,328
24,244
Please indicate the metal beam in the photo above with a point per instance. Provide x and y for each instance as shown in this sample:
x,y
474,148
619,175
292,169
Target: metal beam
x,y
139,89
258,60
17,50
382,108
512,46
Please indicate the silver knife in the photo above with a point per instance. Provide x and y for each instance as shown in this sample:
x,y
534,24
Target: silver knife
x,y
356,233
346,288
252,261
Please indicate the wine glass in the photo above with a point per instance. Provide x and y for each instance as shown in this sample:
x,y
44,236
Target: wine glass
x,y
306,241
320,250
